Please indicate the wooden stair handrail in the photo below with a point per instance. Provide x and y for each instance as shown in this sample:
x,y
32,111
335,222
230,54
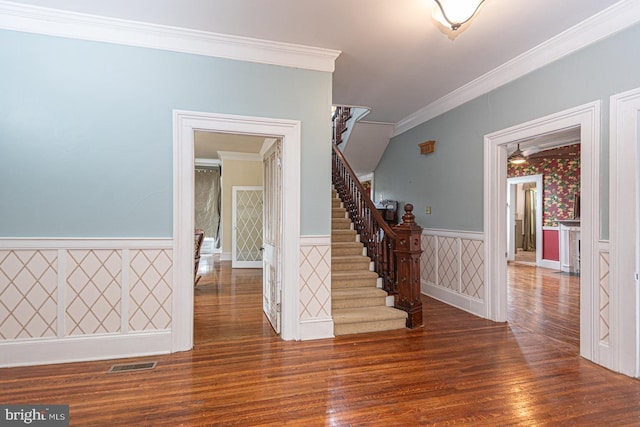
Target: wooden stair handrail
x,y
375,234
340,118
367,200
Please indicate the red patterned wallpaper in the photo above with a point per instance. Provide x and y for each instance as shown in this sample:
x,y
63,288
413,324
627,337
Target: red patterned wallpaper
x,y
561,181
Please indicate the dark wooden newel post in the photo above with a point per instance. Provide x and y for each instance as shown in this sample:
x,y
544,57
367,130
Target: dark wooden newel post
x,y
408,264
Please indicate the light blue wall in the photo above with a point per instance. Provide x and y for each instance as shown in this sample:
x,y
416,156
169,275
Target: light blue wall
x,y
86,132
451,179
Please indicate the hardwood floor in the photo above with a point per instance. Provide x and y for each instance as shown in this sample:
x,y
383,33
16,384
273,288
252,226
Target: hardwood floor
x,y
456,370
228,303
545,302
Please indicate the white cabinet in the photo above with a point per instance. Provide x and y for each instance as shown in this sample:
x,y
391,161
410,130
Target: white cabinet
x,y
570,246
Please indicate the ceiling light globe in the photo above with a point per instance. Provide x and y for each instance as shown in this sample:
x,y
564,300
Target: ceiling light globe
x,y
457,12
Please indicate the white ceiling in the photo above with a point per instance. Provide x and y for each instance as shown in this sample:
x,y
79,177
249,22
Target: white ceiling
x,y
395,59
546,142
208,145
365,146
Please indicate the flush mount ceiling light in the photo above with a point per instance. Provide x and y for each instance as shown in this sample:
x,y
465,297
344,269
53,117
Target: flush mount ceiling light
x,y
455,13
517,157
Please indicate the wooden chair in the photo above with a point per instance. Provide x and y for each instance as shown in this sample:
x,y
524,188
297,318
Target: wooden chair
x,y
198,239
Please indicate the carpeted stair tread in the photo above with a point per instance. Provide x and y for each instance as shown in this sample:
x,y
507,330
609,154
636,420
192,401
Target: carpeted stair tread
x,y
370,326
335,245
346,279
343,232
343,235
338,213
350,258
360,265
360,297
354,275
346,248
341,224
366,314
358,292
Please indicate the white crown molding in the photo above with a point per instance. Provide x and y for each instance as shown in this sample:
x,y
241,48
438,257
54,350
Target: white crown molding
x,y
54,22
234,155
207,162
610,21
266,144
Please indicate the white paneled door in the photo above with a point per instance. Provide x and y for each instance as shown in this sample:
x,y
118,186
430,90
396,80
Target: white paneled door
x,y
246,243
272,239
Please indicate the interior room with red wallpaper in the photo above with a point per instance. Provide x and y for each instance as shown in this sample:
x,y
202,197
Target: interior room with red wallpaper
x,y
560,168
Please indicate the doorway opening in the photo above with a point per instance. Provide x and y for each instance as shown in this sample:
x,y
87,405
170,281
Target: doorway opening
x,y
587,119
253,227
524,219
186,123
542,189
239,159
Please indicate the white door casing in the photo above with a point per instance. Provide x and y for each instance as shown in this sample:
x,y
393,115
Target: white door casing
x,y
624,231
272,236
587,117
511,222
512,182
184,125
246,226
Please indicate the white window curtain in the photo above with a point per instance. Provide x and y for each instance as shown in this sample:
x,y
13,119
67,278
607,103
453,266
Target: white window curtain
x,y
207,202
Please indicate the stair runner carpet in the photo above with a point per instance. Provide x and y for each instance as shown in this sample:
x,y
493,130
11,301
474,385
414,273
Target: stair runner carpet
x,y
358,303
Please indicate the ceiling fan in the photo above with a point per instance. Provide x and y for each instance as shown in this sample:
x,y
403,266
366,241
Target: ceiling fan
x,y
517,157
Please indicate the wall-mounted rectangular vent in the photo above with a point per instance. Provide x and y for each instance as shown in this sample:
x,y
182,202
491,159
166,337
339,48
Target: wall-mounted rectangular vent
x,y
132,367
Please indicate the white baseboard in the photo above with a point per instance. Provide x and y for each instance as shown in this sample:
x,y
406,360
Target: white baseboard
x,y
225,256
547,263
463,302
316,329
84,348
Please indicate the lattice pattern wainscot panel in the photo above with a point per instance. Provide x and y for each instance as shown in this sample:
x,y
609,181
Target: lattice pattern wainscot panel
x,y
448,263
428,258
604,296
150,290
28,294
94,288
453,261
472,268
69,288
315,282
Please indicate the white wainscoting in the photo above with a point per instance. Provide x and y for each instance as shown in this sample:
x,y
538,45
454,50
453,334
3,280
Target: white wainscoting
x,y
452,268
64,300
605,355
549,263
315,288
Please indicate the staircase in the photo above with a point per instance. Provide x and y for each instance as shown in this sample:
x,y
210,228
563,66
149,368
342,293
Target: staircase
x,y
358,303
